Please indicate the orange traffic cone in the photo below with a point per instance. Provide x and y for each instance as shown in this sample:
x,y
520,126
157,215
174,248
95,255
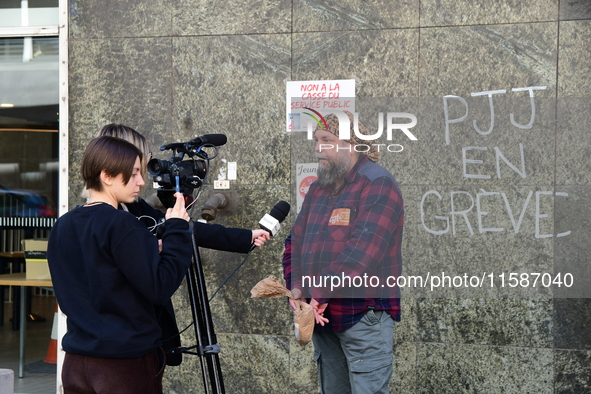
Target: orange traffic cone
x,y
51,357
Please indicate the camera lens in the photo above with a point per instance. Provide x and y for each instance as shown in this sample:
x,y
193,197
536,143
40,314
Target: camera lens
x,y
157,167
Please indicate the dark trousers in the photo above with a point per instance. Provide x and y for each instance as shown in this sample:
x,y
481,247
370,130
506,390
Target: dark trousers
x,y
96,375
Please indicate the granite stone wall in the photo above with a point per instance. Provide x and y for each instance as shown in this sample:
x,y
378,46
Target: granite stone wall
x,y
495,200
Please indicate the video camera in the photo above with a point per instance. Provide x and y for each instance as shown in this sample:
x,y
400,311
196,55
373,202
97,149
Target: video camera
x,y
179,175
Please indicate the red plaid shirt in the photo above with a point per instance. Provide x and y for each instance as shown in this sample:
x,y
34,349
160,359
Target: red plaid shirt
x,y
355,233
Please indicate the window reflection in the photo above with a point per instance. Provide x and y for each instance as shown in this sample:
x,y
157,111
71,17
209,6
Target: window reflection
x,y
29,96
18,13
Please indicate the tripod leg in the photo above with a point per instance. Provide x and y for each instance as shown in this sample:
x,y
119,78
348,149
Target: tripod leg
x,y
204,330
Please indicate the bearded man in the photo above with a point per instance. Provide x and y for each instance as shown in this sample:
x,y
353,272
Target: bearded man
x,y
343,255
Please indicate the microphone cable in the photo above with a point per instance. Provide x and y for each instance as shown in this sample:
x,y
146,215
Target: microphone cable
x,y
184,349
233,272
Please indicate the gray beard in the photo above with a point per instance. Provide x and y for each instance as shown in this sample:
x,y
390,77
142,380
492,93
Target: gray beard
x,y
333,171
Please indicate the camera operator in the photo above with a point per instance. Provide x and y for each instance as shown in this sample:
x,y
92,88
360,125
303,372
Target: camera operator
x,y
211,236
108,273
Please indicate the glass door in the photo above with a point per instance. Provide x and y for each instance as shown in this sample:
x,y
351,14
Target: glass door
x,y
29,155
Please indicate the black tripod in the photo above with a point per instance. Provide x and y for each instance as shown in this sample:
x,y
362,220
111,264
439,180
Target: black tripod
x,y
176,175
207,347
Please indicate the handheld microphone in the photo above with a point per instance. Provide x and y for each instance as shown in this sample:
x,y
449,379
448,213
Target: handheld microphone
x,y
211,139
271,221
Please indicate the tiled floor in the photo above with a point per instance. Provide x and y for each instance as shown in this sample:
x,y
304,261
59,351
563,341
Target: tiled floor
x,y
36,345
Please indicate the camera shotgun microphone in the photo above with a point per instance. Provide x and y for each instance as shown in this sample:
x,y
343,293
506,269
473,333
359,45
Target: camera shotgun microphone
x,y
211,139
271,221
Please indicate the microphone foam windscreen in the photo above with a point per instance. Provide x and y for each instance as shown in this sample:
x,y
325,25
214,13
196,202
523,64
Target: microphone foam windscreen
x,y
280,211
216,139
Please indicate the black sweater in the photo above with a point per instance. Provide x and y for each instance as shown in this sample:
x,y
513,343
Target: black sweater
x,y
213,236
107,275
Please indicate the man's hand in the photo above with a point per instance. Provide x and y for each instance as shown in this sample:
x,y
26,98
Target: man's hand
x,y
319,312
297,295
178,211
259,237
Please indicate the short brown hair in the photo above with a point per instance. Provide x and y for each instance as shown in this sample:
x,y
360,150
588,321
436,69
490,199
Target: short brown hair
x,y
113,155
128,134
